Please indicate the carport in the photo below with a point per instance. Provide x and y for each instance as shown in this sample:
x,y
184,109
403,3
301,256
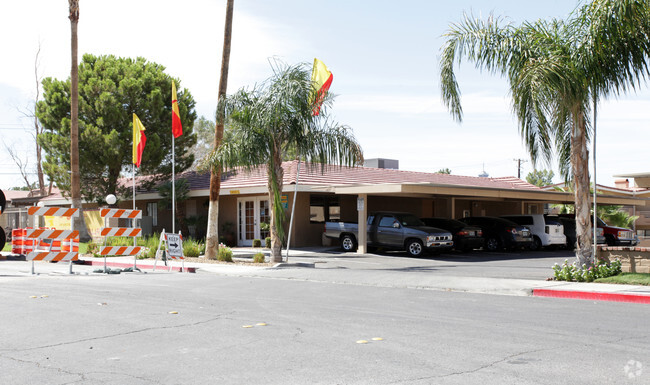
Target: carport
x,y
471,200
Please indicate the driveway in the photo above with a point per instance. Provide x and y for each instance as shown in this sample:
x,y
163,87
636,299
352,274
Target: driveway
x,y
533,265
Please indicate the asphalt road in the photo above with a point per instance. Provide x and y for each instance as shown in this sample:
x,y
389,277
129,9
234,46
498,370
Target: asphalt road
x,y
117,329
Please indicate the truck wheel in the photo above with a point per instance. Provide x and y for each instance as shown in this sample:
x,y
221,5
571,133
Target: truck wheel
x,y
492,244
536,244
348,243
414,247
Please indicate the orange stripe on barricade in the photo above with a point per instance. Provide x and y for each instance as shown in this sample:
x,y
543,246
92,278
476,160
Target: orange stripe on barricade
x,y
121,232
53,211
120,213
52,234
120,250
46,256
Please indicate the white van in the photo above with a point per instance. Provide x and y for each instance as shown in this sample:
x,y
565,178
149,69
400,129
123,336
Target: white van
x,y
546,232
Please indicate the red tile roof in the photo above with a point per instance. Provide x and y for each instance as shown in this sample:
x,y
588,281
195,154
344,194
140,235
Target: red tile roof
x,y
331,175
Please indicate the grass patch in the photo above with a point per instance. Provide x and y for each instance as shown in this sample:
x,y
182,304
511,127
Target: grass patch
x,y
627,279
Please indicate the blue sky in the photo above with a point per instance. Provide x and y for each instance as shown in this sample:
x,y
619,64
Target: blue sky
x,y
383,54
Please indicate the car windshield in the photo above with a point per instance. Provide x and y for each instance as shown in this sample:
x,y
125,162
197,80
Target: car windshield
x,y
409,220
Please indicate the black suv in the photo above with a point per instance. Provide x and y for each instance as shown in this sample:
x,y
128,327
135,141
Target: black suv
x,y
500,233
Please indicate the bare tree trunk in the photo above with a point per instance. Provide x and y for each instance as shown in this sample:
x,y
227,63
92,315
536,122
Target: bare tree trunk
x,y
580,166
78,223
212,233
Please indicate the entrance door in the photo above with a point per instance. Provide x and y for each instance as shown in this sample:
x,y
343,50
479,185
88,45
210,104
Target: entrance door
x,y
252,213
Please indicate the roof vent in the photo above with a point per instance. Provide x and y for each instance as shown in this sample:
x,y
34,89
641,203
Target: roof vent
x,y
392,164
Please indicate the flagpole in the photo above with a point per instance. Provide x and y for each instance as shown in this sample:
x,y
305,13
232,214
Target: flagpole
x,y
293,208
133,172
173,186
133,220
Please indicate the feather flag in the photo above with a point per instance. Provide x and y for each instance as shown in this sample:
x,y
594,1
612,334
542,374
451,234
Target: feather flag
x,y
321,80
177,128
139,140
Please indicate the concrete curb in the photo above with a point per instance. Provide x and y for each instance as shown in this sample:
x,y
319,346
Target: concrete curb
x,y
161,267
592,295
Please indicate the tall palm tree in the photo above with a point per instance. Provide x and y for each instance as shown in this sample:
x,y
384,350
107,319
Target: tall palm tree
x,y
556,69
79,223
274,118
212,234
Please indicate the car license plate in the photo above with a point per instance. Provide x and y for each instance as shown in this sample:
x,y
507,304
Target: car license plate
x,y
472,233
524,233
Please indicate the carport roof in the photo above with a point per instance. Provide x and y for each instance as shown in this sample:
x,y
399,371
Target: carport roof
x,y
329,176
377,181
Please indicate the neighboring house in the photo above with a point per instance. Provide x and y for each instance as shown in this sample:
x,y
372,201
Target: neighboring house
x,y
332,194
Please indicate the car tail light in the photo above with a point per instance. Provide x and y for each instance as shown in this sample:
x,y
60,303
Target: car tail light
x,y
511,230
462,233
479,233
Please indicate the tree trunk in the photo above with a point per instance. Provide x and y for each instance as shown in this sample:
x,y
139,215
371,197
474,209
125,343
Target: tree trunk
x,y
275,181
78,223
580,167
212,233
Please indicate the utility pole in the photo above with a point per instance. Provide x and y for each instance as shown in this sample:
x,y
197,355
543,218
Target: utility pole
x,y
519,162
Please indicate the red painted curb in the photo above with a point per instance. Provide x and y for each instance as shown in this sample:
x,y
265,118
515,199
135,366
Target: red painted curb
x,y
141,267
589,295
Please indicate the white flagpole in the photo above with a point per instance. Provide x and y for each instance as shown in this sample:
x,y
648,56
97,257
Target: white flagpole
x,y
133,220
173,186
133,171
293,208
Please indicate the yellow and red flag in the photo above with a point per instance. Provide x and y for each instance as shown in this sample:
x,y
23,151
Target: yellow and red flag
x,y
139,140
321,80
177,128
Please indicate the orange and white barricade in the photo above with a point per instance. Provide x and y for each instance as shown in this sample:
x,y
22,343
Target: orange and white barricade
x,y
121,232
40,235
19,244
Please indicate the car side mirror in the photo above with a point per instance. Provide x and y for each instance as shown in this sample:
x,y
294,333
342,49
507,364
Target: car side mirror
x,y
396,225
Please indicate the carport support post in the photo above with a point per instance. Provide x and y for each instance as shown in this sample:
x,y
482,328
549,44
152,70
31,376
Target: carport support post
x,y
362,210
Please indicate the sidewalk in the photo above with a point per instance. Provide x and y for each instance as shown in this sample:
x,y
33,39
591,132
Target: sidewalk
x,y
322,265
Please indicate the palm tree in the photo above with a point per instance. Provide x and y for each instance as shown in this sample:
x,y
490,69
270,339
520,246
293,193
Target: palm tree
x,y
212,234
79,223
274,118
556,70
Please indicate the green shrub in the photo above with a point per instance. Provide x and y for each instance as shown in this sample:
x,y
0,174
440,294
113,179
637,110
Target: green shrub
x,y
572,272
191,251
225,254
191,248
267,242
92,248
257,243
259,258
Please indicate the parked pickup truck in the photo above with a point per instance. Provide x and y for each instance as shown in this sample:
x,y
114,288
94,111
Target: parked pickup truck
x,y
392,230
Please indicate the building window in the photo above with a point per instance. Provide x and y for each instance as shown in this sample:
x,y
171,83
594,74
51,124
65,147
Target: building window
x,y
324,208
152,211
